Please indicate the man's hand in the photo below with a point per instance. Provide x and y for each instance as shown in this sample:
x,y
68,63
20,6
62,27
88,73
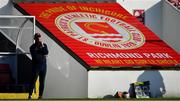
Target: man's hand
x,y
40,44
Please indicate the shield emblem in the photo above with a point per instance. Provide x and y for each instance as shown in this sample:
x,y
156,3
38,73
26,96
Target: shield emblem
x,y
101,31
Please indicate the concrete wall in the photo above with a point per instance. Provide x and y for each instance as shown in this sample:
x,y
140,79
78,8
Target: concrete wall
x,y
5,7
162,83
171,25
66,78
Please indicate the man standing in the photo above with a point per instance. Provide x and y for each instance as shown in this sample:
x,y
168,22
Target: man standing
x,y
39,52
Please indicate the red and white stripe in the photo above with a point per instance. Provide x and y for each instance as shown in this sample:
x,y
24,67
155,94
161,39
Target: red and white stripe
x,y
107,37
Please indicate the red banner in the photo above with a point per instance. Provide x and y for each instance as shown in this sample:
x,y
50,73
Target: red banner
x,y
103,34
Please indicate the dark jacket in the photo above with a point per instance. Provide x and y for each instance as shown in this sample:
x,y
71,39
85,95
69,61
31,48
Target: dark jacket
x,y
38,55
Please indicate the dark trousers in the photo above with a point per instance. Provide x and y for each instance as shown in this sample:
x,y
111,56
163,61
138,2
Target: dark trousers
x,y
42,74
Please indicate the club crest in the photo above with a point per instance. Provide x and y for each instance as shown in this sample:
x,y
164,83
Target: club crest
x,y
100,30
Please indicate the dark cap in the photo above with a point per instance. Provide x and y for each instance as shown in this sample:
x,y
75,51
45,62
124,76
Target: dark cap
x,y
37,35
